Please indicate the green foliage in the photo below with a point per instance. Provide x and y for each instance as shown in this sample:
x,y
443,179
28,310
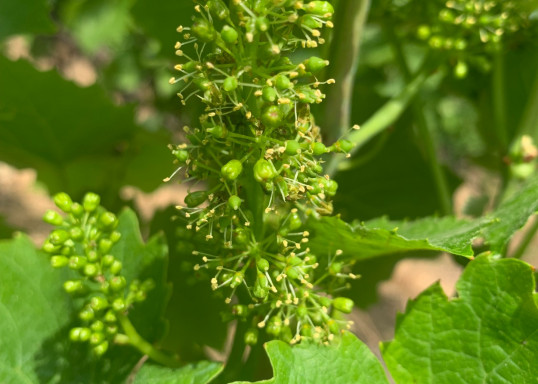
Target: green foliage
x,y
349,361
33,18
202,373
445,94
75,138
487,334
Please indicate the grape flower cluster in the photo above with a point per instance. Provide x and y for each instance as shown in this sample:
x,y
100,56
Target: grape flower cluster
x,y
83,242
465,30
255,160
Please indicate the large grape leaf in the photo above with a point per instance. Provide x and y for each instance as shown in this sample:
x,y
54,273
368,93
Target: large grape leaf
x,y
37,315
489,334
22,17
382,237
349,361
75,138
447,234
200,373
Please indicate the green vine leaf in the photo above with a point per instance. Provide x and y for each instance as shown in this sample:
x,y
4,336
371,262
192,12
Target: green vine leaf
x,y
37,314
32,308
199,373
75,138
350,361
446,234
381,237
489,334
28,17
511,215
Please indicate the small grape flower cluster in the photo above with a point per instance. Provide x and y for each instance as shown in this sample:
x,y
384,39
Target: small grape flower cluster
x,y
83,242
257,151
466,30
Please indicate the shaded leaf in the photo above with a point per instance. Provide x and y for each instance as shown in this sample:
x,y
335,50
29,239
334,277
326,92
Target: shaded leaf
x,y
160,20
75,138
349,361
489,334
199,373
28,17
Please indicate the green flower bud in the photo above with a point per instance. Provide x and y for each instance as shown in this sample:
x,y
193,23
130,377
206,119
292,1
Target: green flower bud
x,y
315,64
237,280
344,146
203,30
58,261
230,84
53,217
321,8
50,248
73,286
330,186
218,131
77,210
105,245
97,326
335,268
101,349
310,21
63,201
87,314
274,326
343,304
294,222
293,147
108,220
283,82
423,32
202,83
272,116
318,148
194,199
218,8
262,24
262,264
116,266
98,303
59,236
119,305
110,317
259,292
76,233
181,155
240,310
97,338
293,273
77,262
115,236
234,202
251,336
117,283
91,201
269,94
107,260
241,236
461,70
264,171
232,169
229,35
90,270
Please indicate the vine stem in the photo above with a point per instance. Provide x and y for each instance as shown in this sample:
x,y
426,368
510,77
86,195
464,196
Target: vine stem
x,y
144,346
383,118
499,100
344,54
